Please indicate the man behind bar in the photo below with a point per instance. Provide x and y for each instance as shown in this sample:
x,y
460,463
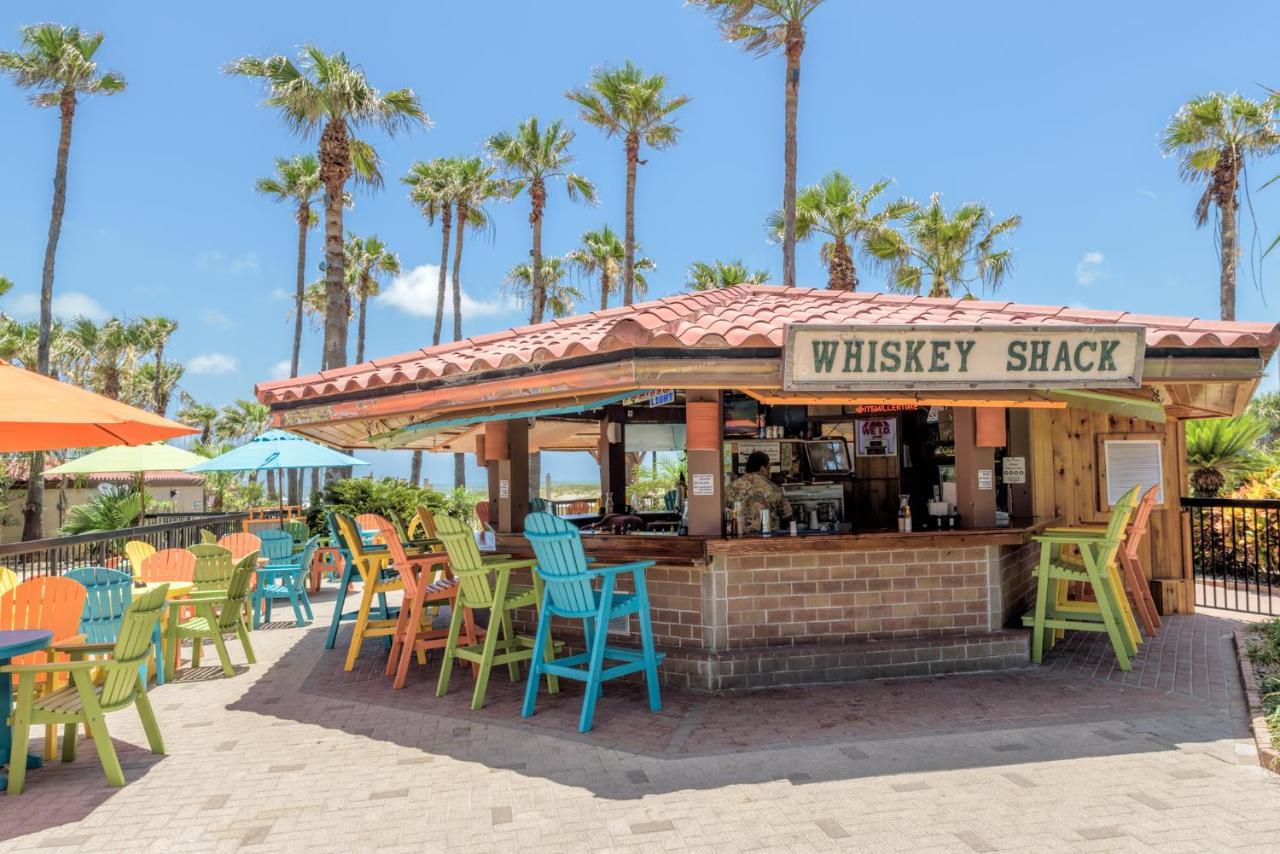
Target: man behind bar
x,y
756,492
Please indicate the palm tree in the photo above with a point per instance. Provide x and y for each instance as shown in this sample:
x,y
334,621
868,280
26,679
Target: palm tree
x,y
1218,448
245,419
152,386
325,93
57,63
560,295
1213,136
202,416
530,157
116,349
836,208
954,251
368,260
627,102
433,188
154,333
6,285
708,276
602,255
297,183
217,484
761,27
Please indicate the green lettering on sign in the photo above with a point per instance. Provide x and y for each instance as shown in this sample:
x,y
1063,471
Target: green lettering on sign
x,y
1107,358
824,356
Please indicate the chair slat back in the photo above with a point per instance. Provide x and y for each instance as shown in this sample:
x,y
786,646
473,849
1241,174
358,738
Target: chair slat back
x,y
308,552
108,592
133,645
416,526
213,566
366,561
208,537
276,545
168,565
464,559
137,552
561,561
336,539
46,602
426,523
8,580
1115,527
241,543
1138,524
298,530
374,522
237,590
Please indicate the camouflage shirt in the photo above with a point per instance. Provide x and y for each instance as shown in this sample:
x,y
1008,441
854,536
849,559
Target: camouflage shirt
x,y
756,492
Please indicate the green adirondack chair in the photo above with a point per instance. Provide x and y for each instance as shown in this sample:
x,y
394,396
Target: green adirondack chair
x,y
1097,551
501,598
119,684
213,566
217,613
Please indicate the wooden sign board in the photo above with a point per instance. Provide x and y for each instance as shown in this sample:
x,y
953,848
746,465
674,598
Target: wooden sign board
x,y
835,357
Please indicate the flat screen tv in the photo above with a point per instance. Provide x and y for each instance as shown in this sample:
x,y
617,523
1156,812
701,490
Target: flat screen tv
x,y
828,457
740,417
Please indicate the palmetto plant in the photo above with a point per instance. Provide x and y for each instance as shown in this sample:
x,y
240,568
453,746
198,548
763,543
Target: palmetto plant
x,y
1213,136
202,416
953,250
57,64
117,347
151,386
368,260
841,212
297,183
560,294
710,275
1221,448
760,27
110,511
326,94
628,103
600,257
530,157
433,188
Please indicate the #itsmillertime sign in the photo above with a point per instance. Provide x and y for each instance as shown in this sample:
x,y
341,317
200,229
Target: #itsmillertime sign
x,y
821,356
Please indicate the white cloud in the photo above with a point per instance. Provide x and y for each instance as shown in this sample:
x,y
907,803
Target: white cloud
x,y
414,293
66,306
1091,268
212,363
1147,193
280,370
217,261
214,317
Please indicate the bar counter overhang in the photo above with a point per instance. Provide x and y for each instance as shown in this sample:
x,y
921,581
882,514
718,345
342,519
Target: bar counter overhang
x,y
759,611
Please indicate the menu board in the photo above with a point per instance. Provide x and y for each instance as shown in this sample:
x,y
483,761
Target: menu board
x,y
876,437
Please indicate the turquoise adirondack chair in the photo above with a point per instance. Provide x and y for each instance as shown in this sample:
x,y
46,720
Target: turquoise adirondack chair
x,y
277,546
285,580
110,592
569,591
349,574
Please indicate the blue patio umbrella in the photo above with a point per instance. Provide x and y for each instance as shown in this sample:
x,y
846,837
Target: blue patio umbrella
x,y
275,450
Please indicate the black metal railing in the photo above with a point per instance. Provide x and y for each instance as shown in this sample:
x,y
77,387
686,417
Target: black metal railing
x,y
106,548
1235,553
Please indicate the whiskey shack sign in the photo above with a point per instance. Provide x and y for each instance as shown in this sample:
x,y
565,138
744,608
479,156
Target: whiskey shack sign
x,y
831,357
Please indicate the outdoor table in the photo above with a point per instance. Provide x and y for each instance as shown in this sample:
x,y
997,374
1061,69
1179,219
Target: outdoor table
x,y
14,643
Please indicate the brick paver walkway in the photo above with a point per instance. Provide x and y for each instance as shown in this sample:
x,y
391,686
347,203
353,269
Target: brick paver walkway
x,y
293,754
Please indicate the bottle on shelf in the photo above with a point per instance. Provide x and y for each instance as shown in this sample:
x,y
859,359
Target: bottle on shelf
x,y
902,516
906,520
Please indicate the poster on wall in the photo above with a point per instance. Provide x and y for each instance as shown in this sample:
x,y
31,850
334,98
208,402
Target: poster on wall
x,y
877,437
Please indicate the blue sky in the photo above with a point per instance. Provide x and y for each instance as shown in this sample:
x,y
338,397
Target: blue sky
x,y
1051,112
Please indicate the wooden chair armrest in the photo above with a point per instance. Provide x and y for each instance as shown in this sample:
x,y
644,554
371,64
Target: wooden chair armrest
x,y
611,569
50,667
1087,530
70,646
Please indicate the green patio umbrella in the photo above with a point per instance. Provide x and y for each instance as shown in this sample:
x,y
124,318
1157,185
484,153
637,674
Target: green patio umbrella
x,y
133,460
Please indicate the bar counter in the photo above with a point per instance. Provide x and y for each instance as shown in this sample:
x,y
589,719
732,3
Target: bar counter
x,y
753,612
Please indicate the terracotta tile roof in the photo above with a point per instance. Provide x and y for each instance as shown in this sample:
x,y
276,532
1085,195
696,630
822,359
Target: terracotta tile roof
x,y
742,316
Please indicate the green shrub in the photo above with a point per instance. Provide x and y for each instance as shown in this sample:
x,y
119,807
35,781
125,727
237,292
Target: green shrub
x,y
390,497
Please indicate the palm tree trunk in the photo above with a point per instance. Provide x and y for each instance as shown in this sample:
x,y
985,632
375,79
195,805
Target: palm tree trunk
x,y
538,299
364,304
795,47
33,510
605,287
415,469
939,289
1230,251
158,397
335,167
446,220
535,474
300,286
459,470
840,269
295,477
457,274
271,483
629,237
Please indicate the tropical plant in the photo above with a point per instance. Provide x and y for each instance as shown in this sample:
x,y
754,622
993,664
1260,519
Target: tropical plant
x,y
297,183
1266,407
530,157
601,255
117,347
559,294
760,27
152,387
1214,136
710,275
954,251
199,415
325,94
6,285
389,497
368,260
154,334
57,64
433,188
839,211
1222,449
105,511
19,342
627,102
243,420
217,486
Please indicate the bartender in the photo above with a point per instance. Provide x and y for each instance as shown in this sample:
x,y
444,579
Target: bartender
x,y
755,492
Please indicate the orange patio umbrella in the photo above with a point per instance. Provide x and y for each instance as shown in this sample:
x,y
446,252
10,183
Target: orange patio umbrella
x,y
38,413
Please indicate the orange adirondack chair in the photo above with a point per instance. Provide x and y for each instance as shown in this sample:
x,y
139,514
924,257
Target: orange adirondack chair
x,y
241,545
169,565
427,581
137,551
45,602
373,522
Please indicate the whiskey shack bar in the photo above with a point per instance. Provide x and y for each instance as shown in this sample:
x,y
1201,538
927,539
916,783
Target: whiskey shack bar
x,y
919,443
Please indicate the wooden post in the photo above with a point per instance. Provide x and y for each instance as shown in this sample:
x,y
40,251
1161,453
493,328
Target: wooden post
x,y
513,497
975,469
613,457
705,456
1020,446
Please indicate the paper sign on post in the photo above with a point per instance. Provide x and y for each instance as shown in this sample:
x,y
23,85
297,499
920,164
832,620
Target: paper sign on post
x,y
504,489
1015,470
986,478
703,484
